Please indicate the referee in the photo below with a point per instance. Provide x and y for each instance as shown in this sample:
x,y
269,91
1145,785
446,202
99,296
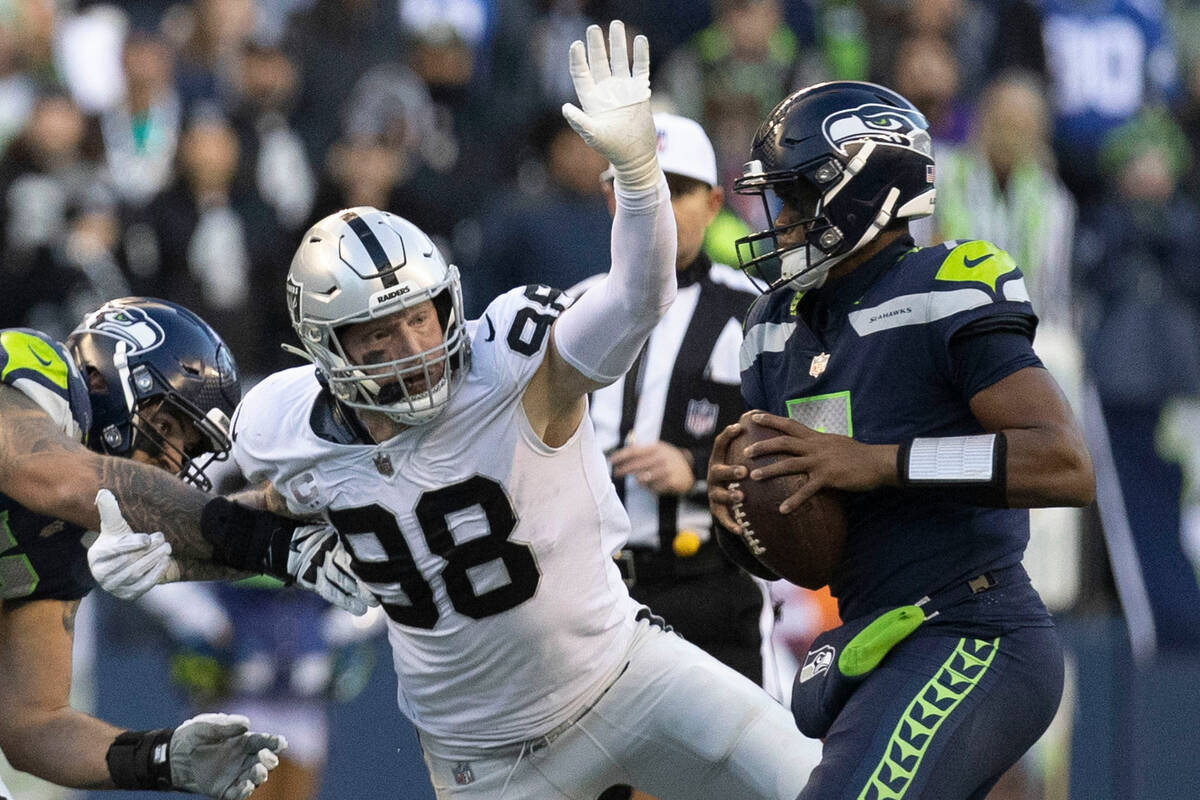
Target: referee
x,y
658,423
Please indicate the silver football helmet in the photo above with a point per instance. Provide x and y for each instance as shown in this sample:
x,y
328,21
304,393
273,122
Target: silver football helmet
x,y
360,264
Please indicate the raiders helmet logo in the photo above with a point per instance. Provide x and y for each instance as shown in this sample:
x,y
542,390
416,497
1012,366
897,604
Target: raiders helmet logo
x,y
880,123
131,325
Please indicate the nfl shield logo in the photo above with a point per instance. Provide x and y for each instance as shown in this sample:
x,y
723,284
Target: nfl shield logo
x,y
701,419
463,774
817,367
383,464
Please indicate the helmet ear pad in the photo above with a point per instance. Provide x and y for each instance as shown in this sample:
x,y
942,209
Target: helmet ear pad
x,y
855,205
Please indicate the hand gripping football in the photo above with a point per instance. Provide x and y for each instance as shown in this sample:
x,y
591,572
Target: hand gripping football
x,y
802,547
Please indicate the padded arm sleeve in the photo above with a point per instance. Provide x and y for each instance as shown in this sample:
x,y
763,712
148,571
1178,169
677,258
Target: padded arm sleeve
x,y
602,333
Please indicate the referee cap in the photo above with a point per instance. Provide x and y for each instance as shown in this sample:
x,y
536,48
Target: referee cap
x,y
683,149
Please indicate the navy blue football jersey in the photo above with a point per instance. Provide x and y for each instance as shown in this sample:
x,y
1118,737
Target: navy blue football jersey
x,y
42,557
870,357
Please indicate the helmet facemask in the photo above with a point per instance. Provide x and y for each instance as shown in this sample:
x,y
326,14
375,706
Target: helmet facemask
x,y
411,390
192,460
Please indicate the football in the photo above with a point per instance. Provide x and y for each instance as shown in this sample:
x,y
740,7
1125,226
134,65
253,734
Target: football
x,y
802,547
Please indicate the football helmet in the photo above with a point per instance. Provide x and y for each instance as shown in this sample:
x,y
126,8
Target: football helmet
x,y
848,157
137,353
360,264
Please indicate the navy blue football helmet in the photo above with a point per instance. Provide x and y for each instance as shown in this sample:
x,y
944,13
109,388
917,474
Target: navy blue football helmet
x,y
139,353
848,157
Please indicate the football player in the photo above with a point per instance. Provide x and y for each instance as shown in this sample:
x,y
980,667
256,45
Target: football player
x,y
150,381
457,462
905,377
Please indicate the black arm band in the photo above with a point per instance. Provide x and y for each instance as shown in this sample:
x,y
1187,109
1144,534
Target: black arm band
x,y
141,760
248,539
963,469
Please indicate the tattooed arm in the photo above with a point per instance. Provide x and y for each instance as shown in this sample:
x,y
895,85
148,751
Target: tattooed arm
x,y
47,472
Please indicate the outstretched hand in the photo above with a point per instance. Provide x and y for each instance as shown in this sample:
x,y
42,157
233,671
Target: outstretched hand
x,y
219,756
615,118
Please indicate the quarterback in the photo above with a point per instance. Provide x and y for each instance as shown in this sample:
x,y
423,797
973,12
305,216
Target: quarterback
x,y
906,378
456,461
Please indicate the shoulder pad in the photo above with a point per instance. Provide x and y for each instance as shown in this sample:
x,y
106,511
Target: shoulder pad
x,y
42,369
975,261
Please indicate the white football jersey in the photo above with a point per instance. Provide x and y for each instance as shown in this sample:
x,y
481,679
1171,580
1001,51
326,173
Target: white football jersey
x,y
491,551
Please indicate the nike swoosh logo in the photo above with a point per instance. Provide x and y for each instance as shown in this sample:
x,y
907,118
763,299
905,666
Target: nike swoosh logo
x,y
491,329
40,360
975,262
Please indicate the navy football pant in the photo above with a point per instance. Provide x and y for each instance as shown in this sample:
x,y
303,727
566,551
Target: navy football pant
x,y
942,717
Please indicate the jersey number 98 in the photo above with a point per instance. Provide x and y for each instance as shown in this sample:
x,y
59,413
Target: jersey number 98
x,y
433,511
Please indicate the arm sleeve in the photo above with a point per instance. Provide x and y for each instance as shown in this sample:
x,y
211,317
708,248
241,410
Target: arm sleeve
x,y
602,333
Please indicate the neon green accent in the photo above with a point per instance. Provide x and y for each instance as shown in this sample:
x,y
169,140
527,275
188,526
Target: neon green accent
x,y
792,405
26,351
17,575
795,304
864,652
976,262
261,582
954,680
725,229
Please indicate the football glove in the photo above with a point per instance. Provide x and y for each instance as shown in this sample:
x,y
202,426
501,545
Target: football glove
x,y
126,563
320,563
219,756
615,120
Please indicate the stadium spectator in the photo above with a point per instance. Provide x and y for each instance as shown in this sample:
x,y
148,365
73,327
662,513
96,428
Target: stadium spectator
x,y
271,149
1002,185
59,232
747,51
209,58
1106,62
553,229
1138,268
333,43
141,133
216,245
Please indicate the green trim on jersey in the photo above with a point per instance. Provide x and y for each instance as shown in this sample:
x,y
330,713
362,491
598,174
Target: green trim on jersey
x,y
25,351
976,262
18,578
933,704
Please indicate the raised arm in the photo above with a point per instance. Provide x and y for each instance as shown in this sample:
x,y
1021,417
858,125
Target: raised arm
x,y
596,340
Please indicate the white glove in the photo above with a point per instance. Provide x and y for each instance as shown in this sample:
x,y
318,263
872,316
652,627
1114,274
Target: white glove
x,y
125,563
616,120
217,755
319,562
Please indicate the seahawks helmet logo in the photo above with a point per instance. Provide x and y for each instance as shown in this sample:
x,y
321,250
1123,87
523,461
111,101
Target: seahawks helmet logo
x,y
881,123
131,325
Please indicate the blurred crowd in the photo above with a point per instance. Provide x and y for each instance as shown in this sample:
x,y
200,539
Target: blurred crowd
x,y
180,149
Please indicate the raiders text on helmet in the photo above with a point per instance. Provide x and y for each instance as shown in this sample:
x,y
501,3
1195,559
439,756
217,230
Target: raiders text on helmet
x,y
360,264
850,157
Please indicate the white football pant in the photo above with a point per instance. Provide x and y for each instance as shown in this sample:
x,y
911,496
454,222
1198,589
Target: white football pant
x,y
676,723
